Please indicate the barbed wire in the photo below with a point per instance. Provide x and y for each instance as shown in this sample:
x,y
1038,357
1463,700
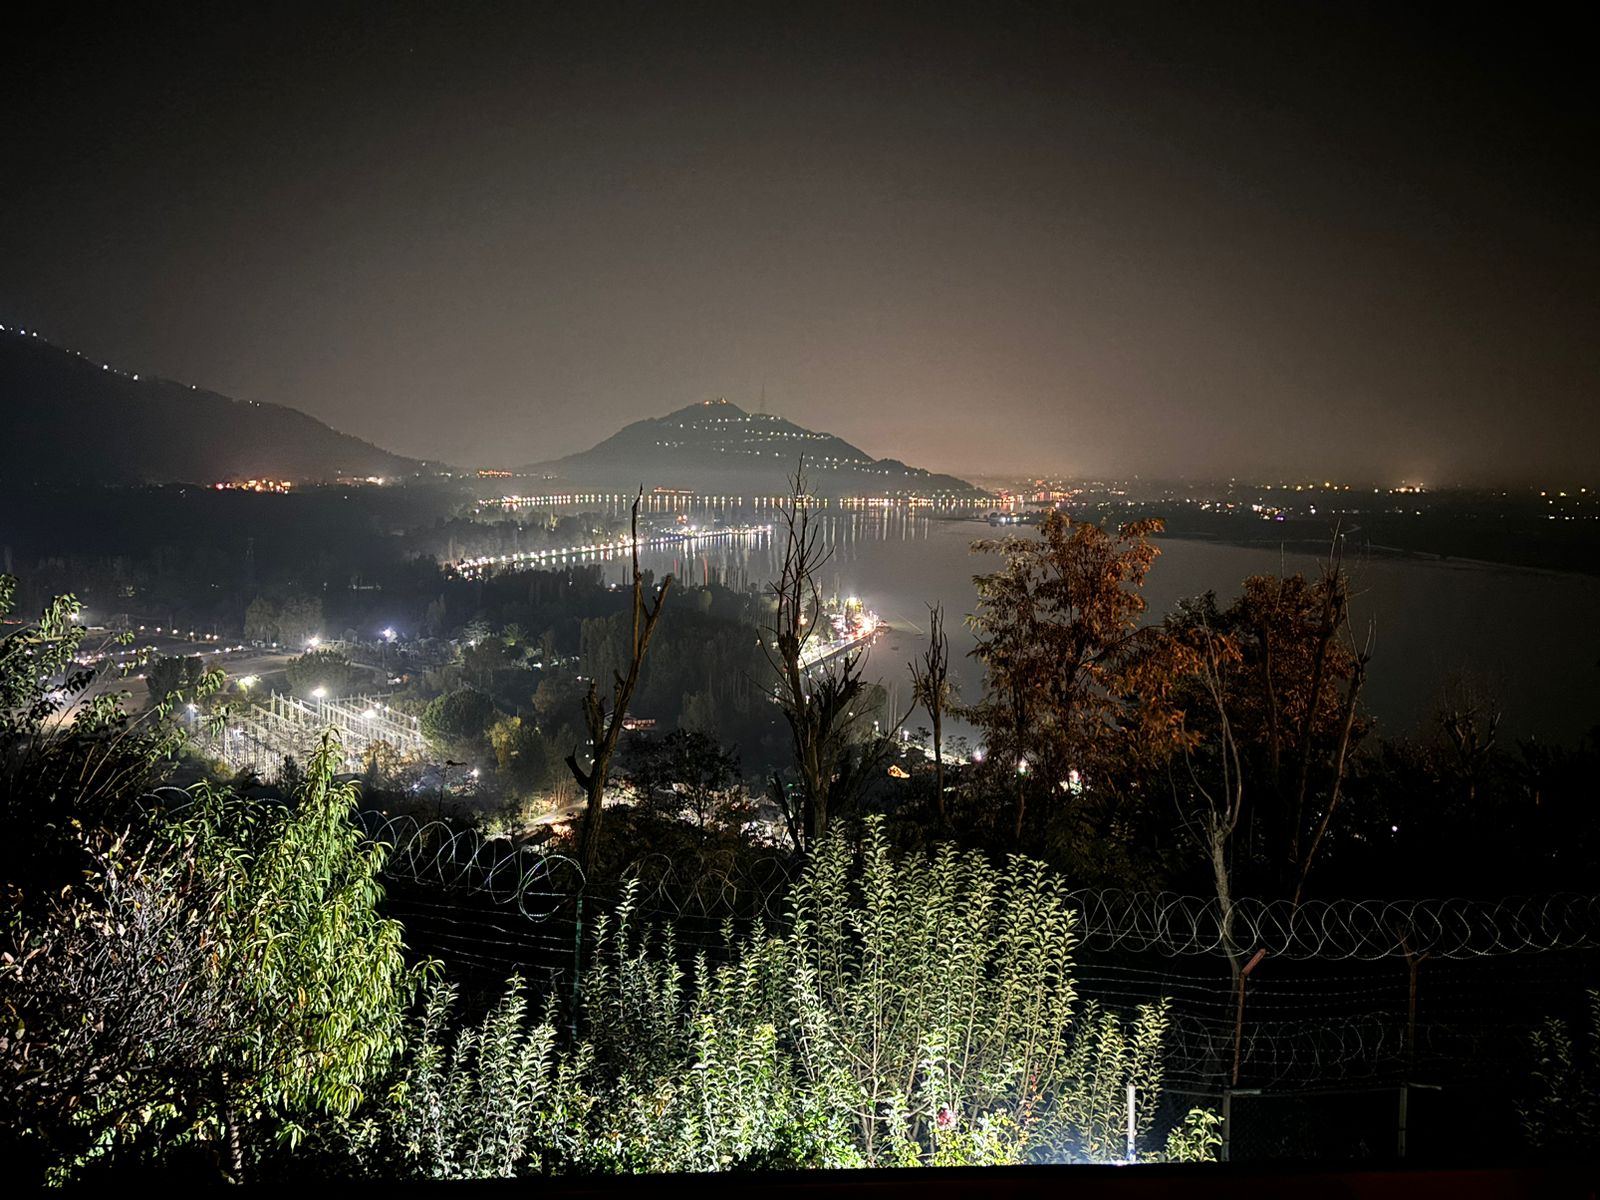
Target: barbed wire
x,y
1338,930
535,880
712,889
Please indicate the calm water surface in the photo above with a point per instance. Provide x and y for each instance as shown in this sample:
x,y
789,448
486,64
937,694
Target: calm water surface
x,y
1532,637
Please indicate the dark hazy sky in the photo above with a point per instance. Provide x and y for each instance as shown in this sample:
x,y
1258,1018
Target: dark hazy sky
x,y
1178,239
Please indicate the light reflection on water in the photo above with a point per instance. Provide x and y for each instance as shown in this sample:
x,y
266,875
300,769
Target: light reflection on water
x,y
1532,637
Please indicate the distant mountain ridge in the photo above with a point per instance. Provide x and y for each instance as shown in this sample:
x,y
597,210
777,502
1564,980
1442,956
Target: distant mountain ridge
x,y
717,446
63,416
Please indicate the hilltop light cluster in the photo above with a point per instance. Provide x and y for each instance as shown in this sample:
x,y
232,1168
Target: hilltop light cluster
x,y
734,431
272,486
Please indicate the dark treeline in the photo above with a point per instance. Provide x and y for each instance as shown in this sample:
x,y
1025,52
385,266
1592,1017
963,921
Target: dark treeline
x,y
1518,530
196,557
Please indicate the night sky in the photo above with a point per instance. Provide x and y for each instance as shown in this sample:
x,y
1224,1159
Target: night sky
x,y
1188,240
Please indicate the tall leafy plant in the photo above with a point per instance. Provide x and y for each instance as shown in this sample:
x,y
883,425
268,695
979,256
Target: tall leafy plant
x,y
319,978
911,1011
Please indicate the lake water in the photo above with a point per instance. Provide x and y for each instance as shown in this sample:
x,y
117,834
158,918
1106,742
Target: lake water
x,y
1532,637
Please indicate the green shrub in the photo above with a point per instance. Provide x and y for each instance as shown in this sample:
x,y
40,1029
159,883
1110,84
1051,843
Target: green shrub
x,y
1562,1116
915,1011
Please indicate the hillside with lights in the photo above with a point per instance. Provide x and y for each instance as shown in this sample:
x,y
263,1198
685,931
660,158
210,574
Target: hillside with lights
x,y
66,416
716,446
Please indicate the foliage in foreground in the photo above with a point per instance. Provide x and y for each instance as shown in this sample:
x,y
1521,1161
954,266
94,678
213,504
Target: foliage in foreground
x,y
221,980
925,1015
1563,1114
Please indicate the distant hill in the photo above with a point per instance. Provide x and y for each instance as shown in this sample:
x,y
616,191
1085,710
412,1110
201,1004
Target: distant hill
x,y
718,447
63,416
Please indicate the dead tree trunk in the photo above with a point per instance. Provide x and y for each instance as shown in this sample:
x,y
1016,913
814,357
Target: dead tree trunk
x,y
605,726
1341,757
818,698
930,680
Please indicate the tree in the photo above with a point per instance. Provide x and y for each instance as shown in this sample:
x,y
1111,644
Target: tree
x,y
686,770
299,620
820,700
222,979
1284,690
1057,629
261,621
605,726
204,971
457,722
111,1007
72,764
481,658
326,669
319,976
1213,821
557,695
930,682
522,753
178,677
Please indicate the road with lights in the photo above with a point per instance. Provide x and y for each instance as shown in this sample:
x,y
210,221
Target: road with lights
x,y
605,550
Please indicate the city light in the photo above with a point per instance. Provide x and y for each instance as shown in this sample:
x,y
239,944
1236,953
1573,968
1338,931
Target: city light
x,y
319,693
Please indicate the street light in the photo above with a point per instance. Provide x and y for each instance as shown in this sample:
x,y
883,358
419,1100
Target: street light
x,y
320,693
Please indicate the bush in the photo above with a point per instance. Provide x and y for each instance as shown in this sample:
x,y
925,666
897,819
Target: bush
x,y
458,722
925,1015
1562,1116
326,669
219,990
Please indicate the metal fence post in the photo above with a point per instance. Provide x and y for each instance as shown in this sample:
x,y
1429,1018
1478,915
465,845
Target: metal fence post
x,y
1238,1020
1227,1123
577,968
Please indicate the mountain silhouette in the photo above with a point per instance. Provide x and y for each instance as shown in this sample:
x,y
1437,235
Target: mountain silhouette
x,y
716,446
64,416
